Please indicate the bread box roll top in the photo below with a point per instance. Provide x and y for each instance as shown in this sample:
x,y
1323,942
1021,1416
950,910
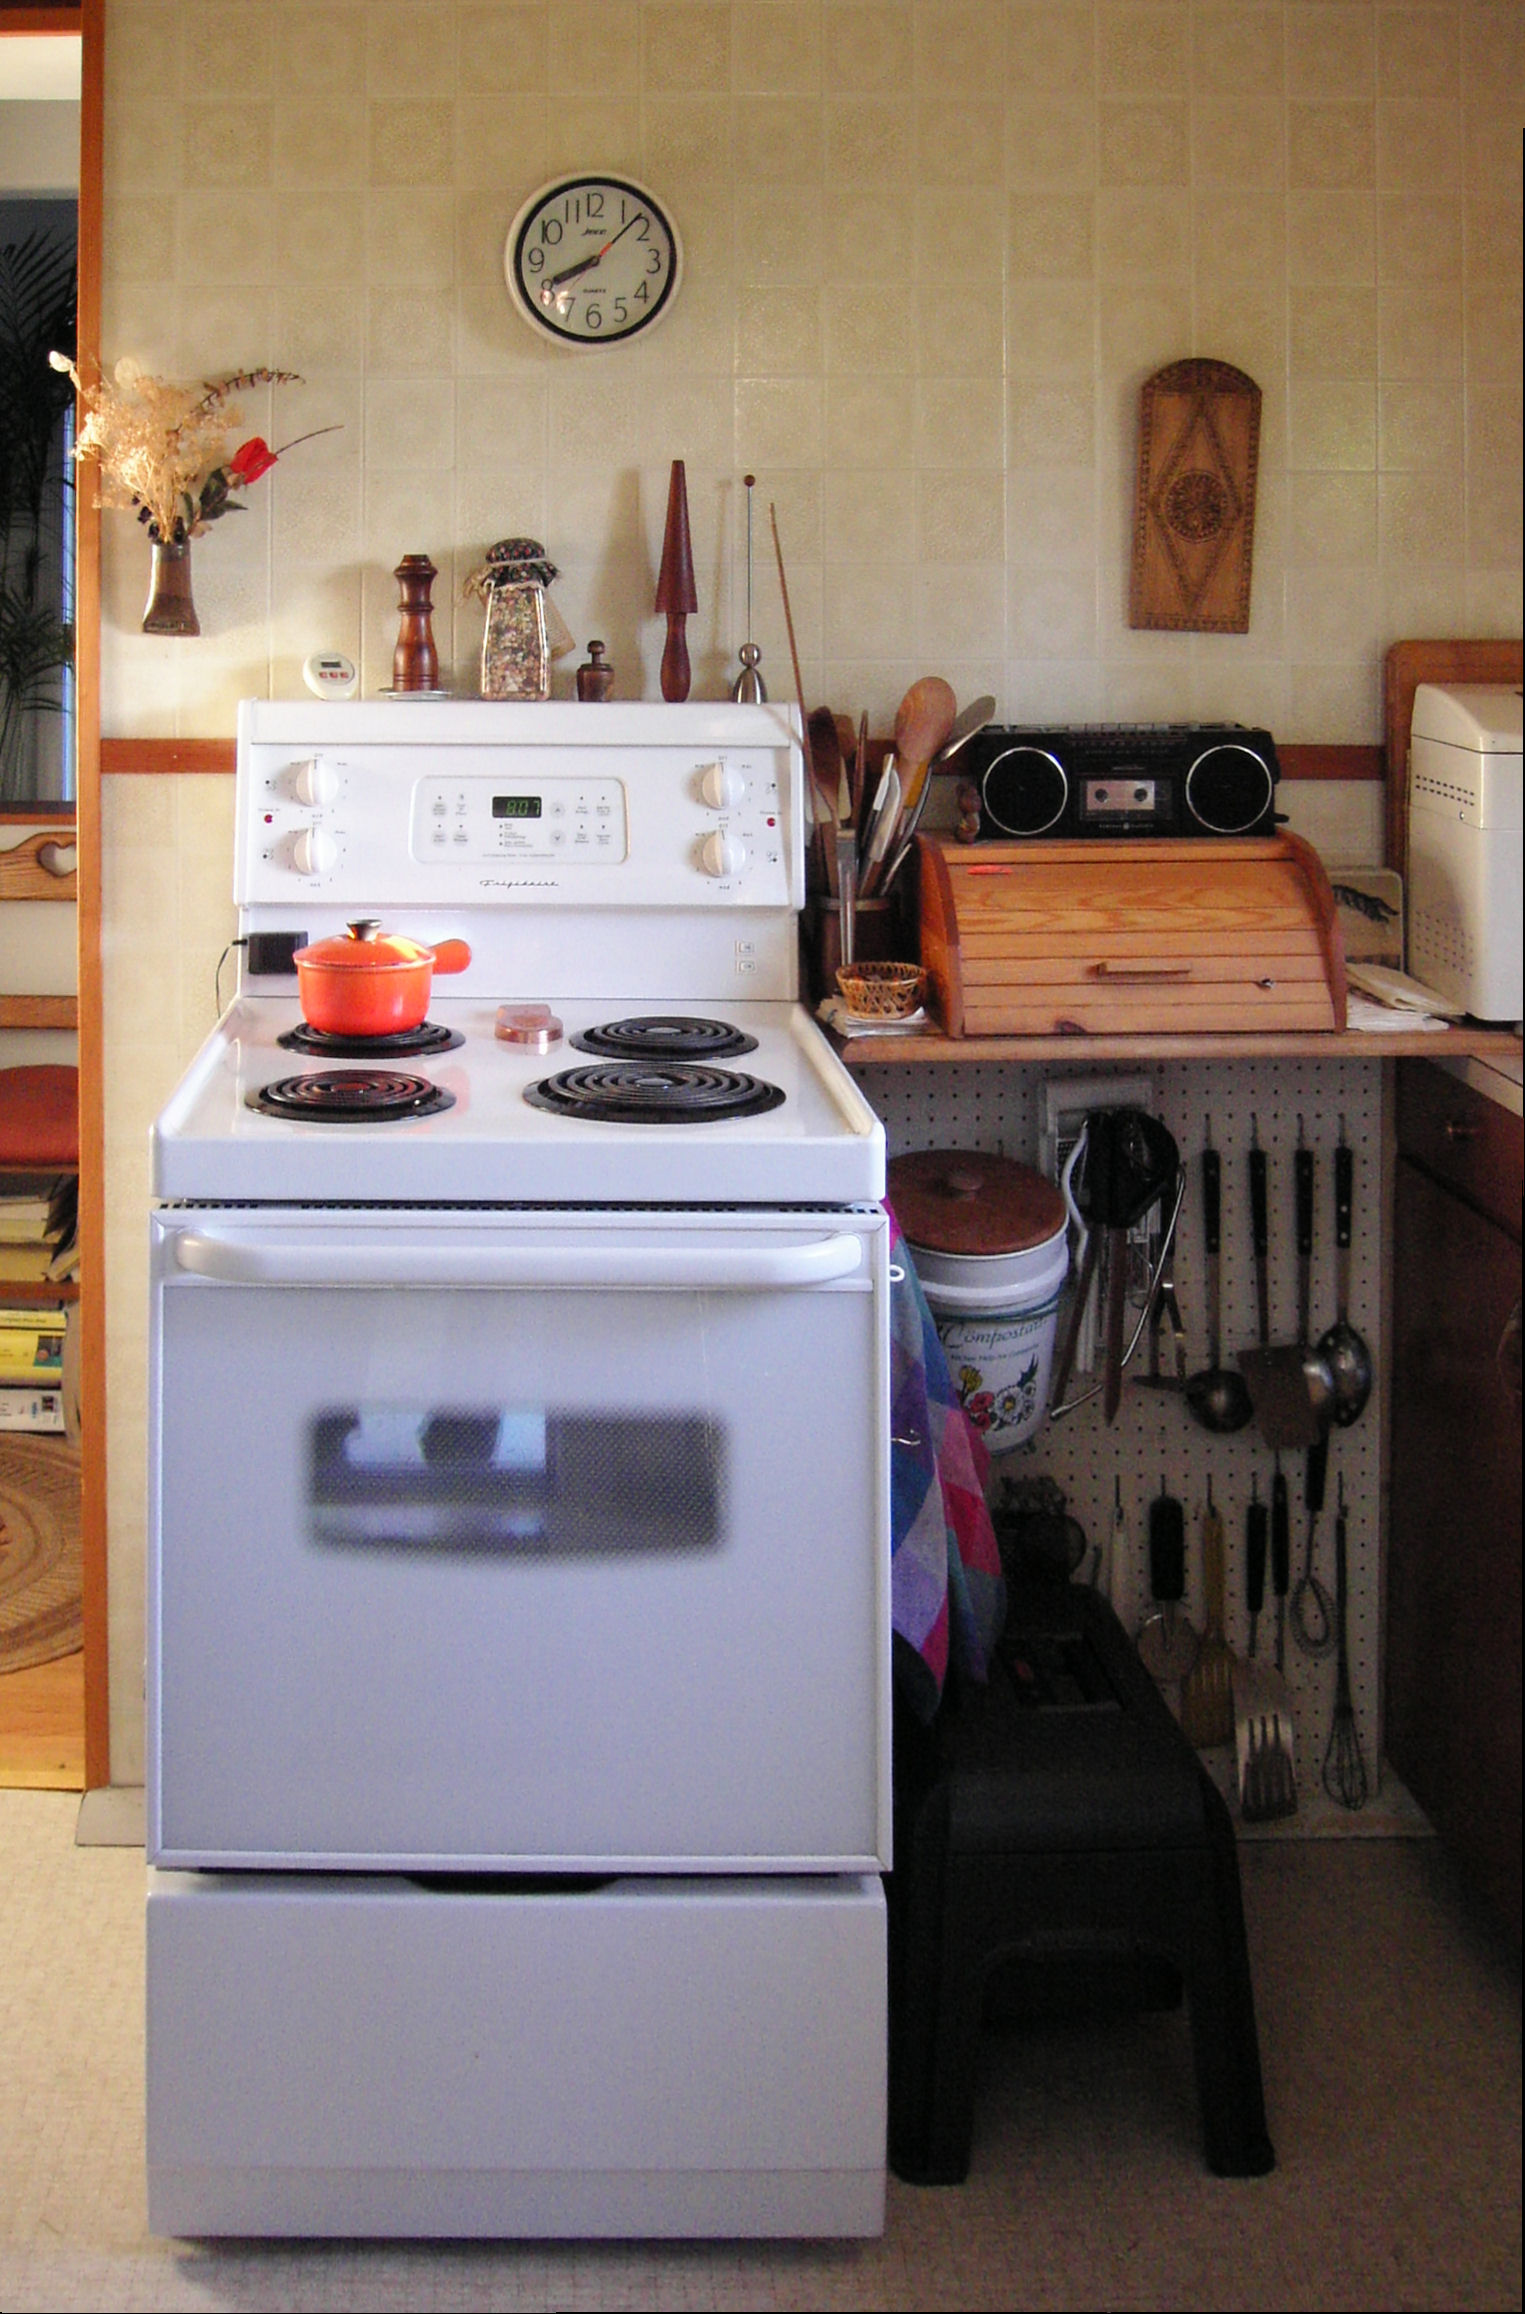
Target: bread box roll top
x,y
1146,937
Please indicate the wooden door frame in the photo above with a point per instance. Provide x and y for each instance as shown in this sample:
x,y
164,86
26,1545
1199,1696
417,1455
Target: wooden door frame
x,y
88,18
87,790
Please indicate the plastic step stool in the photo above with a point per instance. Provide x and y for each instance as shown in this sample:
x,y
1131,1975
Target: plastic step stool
x,y
1059,1819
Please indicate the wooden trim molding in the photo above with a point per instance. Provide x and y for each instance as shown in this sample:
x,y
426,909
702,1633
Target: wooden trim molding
x,y
92,1121
41,20
1301,759
123,757
1408,665
39,1012
157,756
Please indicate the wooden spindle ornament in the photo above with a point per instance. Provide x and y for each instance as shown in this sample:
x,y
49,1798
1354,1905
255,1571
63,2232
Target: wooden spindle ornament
x,y
676,595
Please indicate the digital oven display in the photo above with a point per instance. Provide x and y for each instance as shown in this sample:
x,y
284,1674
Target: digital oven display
x,y
516,807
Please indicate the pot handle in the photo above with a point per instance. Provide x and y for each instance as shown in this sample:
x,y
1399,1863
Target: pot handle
x,y
451,956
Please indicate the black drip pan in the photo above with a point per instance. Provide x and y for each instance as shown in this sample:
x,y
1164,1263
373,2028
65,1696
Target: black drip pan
x,y
351,1097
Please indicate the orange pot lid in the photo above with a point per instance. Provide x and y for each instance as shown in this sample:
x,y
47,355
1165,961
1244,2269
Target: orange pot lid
x,y
364,948
966,1201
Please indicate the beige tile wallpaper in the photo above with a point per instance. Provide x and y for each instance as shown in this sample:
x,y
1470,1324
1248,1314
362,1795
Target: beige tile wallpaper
x,y
933,249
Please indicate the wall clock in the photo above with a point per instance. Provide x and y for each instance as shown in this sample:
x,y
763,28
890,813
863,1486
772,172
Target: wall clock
x,y
593,260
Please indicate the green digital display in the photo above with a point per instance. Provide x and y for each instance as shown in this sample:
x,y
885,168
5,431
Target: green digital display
x,y
516,807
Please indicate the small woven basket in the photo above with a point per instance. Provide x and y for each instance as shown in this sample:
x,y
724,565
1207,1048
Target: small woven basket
x,y
880,991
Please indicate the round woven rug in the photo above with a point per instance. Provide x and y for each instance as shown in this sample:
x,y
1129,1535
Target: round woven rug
x,y
40,1615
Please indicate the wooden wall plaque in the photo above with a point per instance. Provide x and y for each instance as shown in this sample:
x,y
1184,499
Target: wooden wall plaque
x,y
1194,507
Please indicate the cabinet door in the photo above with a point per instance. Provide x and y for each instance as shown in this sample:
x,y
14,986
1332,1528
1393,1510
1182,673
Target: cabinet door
x,y
1453,1627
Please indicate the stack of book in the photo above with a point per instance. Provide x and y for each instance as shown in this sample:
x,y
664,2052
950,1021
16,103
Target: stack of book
x,y
32,1369
38,1241
38,1252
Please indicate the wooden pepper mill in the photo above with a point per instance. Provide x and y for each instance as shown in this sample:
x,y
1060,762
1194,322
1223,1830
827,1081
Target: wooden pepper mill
x,y
415,662
676,595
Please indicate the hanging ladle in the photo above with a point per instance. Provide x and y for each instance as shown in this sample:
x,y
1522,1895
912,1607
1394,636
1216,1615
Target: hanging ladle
x,y
1340,1347
1218,1395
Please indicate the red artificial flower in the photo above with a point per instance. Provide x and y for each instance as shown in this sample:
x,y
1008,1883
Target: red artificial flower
x,y
252,459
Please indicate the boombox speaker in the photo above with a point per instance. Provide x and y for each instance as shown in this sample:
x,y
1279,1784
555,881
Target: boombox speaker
x,y
1118,779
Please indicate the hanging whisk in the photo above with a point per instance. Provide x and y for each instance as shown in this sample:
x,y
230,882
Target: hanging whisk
x,y
1345,1778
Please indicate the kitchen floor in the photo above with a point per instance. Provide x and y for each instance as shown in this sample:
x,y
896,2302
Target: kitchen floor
x,y
1390,2030
42,1726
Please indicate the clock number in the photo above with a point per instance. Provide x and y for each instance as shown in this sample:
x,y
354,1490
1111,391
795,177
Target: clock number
x,y
550,230
621,313
595,205
641,294
656,261
592,315
535,260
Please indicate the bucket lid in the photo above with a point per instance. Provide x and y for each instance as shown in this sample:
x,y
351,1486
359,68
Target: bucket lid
x,y
968,1202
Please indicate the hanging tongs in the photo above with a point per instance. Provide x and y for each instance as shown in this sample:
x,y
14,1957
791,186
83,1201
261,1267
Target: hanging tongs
x,y
1171,1187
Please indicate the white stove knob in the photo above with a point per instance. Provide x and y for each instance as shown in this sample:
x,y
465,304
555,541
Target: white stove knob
x,y
314,852
723,855
721,787
314,781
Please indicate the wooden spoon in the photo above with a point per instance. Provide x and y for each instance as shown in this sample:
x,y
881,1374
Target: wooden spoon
x,y
923,721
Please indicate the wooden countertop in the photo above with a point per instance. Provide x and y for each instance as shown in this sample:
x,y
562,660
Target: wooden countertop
x,y
1327,1045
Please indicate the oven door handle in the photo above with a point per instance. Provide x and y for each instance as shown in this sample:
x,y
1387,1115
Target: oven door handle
x,y
596,1268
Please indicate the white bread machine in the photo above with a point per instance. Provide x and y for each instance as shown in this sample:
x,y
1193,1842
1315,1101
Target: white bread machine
x,y
1464,883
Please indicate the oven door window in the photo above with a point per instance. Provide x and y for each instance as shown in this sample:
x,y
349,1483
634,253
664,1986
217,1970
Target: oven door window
x,y
393,1474
519,1579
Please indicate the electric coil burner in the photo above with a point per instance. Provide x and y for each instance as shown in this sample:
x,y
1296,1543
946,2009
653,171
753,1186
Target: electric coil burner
x,y
665,1036
421,1043
679,1093
351,1096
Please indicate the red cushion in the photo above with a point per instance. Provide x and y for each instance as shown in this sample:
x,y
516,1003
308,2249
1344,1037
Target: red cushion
x,y
39,1118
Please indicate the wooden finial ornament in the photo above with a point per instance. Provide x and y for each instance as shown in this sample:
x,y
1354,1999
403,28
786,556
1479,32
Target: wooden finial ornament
x,y
676,596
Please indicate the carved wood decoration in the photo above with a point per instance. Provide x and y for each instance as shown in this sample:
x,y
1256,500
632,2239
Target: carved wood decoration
x,y
1194,507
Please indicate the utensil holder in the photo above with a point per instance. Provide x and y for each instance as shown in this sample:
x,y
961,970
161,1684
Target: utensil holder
x,y
880,934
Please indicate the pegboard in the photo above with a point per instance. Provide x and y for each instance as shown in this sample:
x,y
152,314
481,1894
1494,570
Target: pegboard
x,y
998,1107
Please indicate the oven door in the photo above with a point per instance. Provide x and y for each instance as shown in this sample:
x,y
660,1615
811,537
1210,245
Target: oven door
x,y
504,1540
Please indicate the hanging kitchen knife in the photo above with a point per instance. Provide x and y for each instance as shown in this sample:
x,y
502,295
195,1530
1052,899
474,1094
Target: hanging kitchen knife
x,y
1260,1234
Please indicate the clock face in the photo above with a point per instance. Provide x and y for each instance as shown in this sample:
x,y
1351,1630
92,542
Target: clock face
x,y
592,260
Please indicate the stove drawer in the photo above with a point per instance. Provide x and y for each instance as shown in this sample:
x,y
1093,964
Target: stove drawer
x,y
579,1562
643,2058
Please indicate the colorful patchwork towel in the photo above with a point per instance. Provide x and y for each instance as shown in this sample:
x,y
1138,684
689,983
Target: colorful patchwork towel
x,y
947,1595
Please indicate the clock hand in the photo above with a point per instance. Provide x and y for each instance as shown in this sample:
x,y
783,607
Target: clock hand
x,y
549,288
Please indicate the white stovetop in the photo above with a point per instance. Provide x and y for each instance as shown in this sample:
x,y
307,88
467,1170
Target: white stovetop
x,y
823,1144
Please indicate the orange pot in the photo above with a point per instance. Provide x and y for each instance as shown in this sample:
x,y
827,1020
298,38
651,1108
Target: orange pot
x,y
365,982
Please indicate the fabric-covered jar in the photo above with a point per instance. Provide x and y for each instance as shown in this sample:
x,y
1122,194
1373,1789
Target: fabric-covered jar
x,y
524,631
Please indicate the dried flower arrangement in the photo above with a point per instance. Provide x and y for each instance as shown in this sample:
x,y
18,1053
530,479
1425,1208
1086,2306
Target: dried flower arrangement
x,y
163,448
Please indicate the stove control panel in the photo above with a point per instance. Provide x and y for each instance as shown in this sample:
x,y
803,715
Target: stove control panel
x,y
574,822
548,806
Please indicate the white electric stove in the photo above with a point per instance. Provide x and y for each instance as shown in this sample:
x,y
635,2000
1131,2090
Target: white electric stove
x,y
518,1672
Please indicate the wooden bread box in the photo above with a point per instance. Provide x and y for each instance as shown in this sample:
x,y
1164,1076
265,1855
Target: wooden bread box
x,y
1148,936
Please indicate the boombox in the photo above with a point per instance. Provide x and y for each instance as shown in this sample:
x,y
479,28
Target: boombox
x,y
1118,779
